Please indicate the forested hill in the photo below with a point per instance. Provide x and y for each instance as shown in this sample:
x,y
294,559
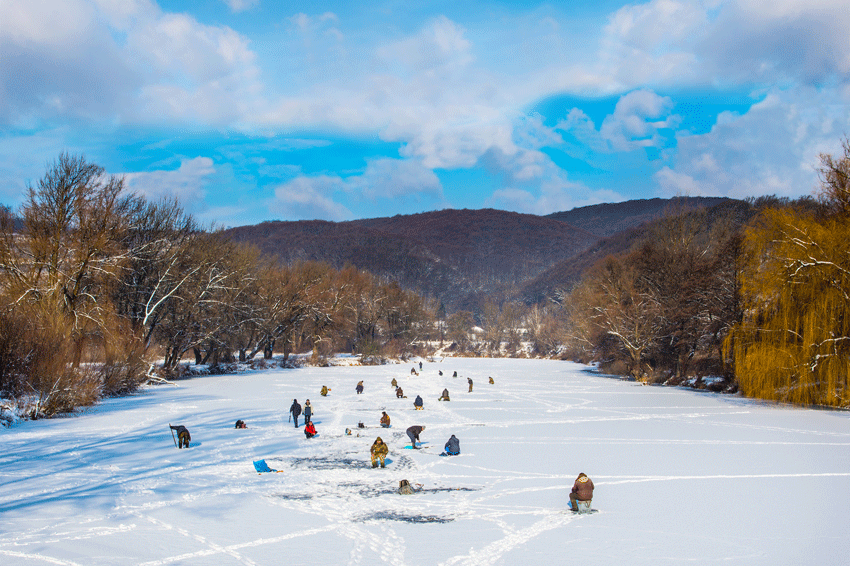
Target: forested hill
x,y
460,256
607,219
466,257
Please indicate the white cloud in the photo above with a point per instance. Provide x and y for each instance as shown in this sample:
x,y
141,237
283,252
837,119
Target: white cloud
x,y
396,178
121,62
185,184
553,196
310,198
241,5
636,120
771,149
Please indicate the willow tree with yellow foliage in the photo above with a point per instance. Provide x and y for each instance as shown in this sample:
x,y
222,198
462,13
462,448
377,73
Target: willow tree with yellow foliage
x,y
793,344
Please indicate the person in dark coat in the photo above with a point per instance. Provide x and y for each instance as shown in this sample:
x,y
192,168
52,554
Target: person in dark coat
x,y
309,429
454,374
295,411
385,420
308,411
444,396
582,490
417,403
453,446
399,393
240,424
441,373
469,381
413,433
183,436
420,366
359,387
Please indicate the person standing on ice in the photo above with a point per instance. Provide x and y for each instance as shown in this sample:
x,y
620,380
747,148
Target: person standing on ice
x,y
359,387
379,452
413,433
582,490
420,366
469,381
308,411
295,411
417,403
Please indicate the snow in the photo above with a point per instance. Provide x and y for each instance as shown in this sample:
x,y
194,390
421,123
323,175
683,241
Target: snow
x,y
681,476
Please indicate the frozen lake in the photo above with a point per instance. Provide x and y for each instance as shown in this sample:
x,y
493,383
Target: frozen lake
x,y
681,476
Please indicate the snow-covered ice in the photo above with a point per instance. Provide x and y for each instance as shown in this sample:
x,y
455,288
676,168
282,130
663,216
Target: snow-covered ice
x,y
682,477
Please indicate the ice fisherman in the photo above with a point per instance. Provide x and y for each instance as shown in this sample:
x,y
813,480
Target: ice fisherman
x,y
417,403
240,424
295,411
385,420
325,391
420,366
183,436
379,452
452,447
359,387
491,381
308,411
394,383
582,490
404,488
413,433
399,393
469,381
309,429
444,396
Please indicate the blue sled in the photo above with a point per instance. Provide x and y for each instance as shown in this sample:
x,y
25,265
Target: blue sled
x,y
262,467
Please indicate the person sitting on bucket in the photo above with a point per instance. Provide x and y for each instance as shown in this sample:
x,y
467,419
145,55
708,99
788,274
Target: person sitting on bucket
x,y
404,488
417,403
310,429
359,387
453,446
385,420
491,381
324,391
444,396
399,393
394,383
582,490
378,452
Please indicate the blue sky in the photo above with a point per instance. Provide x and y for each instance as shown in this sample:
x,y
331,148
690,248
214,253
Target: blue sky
x,y
252,110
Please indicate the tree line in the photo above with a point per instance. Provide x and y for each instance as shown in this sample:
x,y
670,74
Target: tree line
x,y
96,282
757,292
